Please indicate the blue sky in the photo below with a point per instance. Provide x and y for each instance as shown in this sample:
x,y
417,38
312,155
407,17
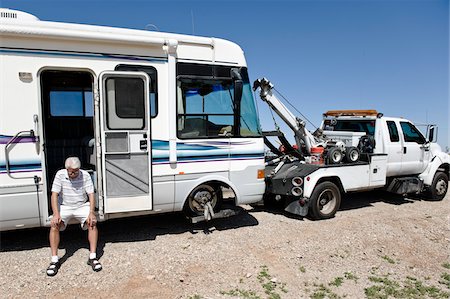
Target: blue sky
x,y
392,56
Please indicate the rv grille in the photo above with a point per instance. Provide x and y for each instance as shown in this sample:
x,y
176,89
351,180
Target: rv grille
x,y
9,15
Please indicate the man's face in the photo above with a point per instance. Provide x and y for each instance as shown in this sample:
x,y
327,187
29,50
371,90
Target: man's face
x,y
73,172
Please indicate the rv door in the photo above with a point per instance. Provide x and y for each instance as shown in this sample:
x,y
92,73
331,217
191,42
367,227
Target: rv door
x,y
126,172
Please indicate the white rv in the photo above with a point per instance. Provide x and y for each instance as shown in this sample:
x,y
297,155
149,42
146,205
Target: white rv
x,y
164,122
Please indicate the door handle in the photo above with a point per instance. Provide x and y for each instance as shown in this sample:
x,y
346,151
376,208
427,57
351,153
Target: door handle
x,y
143,144
404,149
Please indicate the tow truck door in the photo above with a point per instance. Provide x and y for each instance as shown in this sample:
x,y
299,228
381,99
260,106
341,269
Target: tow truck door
x,y
415,149
125,142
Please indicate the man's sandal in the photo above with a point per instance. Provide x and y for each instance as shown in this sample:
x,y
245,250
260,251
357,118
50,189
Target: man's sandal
x,y
95,264
53,268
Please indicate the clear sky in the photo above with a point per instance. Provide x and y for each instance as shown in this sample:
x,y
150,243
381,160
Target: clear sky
x,y
392,56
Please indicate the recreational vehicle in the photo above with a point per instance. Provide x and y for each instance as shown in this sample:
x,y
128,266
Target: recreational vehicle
x,y
163,122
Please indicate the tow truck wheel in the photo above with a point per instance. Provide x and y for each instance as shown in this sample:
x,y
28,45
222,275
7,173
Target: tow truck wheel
x,y
439,186
352,154
201,196
325,201
334,156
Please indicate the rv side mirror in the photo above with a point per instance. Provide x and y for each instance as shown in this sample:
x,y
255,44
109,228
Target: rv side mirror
x,y
238,85
431,133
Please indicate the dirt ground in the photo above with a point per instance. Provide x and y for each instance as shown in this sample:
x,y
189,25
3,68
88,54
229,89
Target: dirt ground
x,y
377,246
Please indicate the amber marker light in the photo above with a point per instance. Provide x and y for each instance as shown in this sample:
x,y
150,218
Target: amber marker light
x,y
260,174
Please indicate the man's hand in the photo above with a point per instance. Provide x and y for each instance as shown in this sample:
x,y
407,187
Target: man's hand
x,y
92,219
56,220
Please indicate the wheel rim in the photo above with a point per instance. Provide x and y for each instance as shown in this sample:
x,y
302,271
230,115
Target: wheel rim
x,y
201,197
327,201
441,187
336,156
354,156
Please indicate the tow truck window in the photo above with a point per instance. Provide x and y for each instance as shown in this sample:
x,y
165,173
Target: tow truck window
x,y
393,132
411,133
346,125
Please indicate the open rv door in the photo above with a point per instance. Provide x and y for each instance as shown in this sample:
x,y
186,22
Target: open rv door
x,y
124,123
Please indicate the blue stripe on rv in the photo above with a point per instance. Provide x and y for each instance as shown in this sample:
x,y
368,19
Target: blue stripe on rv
x,y
79,54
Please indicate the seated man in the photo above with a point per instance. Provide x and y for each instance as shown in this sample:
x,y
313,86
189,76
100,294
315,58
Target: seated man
x,y
70,192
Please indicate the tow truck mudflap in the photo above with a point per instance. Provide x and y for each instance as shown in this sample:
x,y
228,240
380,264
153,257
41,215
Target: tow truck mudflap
x,y
297,209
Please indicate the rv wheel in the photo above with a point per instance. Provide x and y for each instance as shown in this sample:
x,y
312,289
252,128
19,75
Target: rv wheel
x,y
439,187
325,201
334,156
352,154
201,196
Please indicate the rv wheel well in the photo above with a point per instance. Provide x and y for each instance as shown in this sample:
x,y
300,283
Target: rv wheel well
x,y
223,189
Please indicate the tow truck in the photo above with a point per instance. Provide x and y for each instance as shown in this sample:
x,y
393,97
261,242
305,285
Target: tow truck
x,y
352,151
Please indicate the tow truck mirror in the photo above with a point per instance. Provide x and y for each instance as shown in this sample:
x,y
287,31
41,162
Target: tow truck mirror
x,y
430,134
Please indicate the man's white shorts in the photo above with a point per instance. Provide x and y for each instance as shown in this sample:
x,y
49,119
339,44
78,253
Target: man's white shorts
x,y
80,213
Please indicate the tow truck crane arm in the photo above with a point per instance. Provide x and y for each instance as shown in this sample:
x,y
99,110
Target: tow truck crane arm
x,y
297,125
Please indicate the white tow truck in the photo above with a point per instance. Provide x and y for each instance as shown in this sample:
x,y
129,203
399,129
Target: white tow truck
x,y
353,150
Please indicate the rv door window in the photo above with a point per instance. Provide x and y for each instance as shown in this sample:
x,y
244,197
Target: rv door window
x,y
125,103
153,84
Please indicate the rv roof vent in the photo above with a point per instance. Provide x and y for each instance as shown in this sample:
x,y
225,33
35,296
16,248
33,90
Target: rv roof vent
x,y
11,14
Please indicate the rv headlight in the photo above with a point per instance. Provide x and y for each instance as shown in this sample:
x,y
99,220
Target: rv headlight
x,y
297,181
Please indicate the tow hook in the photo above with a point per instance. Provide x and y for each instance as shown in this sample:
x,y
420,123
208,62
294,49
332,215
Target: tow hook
x,y
208,212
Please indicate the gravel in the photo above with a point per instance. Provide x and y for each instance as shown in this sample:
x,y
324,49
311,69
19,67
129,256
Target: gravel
x,y
260,253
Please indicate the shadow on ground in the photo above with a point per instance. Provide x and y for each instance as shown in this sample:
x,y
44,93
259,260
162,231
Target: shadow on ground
x,y
130,229
350,201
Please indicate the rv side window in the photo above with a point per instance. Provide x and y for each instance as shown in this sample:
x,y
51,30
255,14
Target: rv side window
x,y
71,102
205,108
393,132
206,104
151,72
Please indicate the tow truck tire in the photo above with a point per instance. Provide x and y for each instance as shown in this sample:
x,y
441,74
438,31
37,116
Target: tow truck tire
x,y
352,154
325,201
200,195
439,186
334,156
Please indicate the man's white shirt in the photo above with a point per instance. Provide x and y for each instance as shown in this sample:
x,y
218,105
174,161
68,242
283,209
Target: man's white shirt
x,y
72,192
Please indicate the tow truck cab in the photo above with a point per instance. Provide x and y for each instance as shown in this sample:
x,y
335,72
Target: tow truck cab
x,y
409,151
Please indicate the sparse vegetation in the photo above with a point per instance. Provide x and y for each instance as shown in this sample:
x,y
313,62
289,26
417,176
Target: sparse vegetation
x,y
337,282
269,284
445,280
385,287
241,294
322,292
388,259
351,276
446,265
302,269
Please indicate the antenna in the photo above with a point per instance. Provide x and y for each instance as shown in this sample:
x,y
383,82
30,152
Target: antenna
x,y
192,19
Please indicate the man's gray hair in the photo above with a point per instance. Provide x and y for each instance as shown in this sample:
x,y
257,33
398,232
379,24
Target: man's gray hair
x,y
73,162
